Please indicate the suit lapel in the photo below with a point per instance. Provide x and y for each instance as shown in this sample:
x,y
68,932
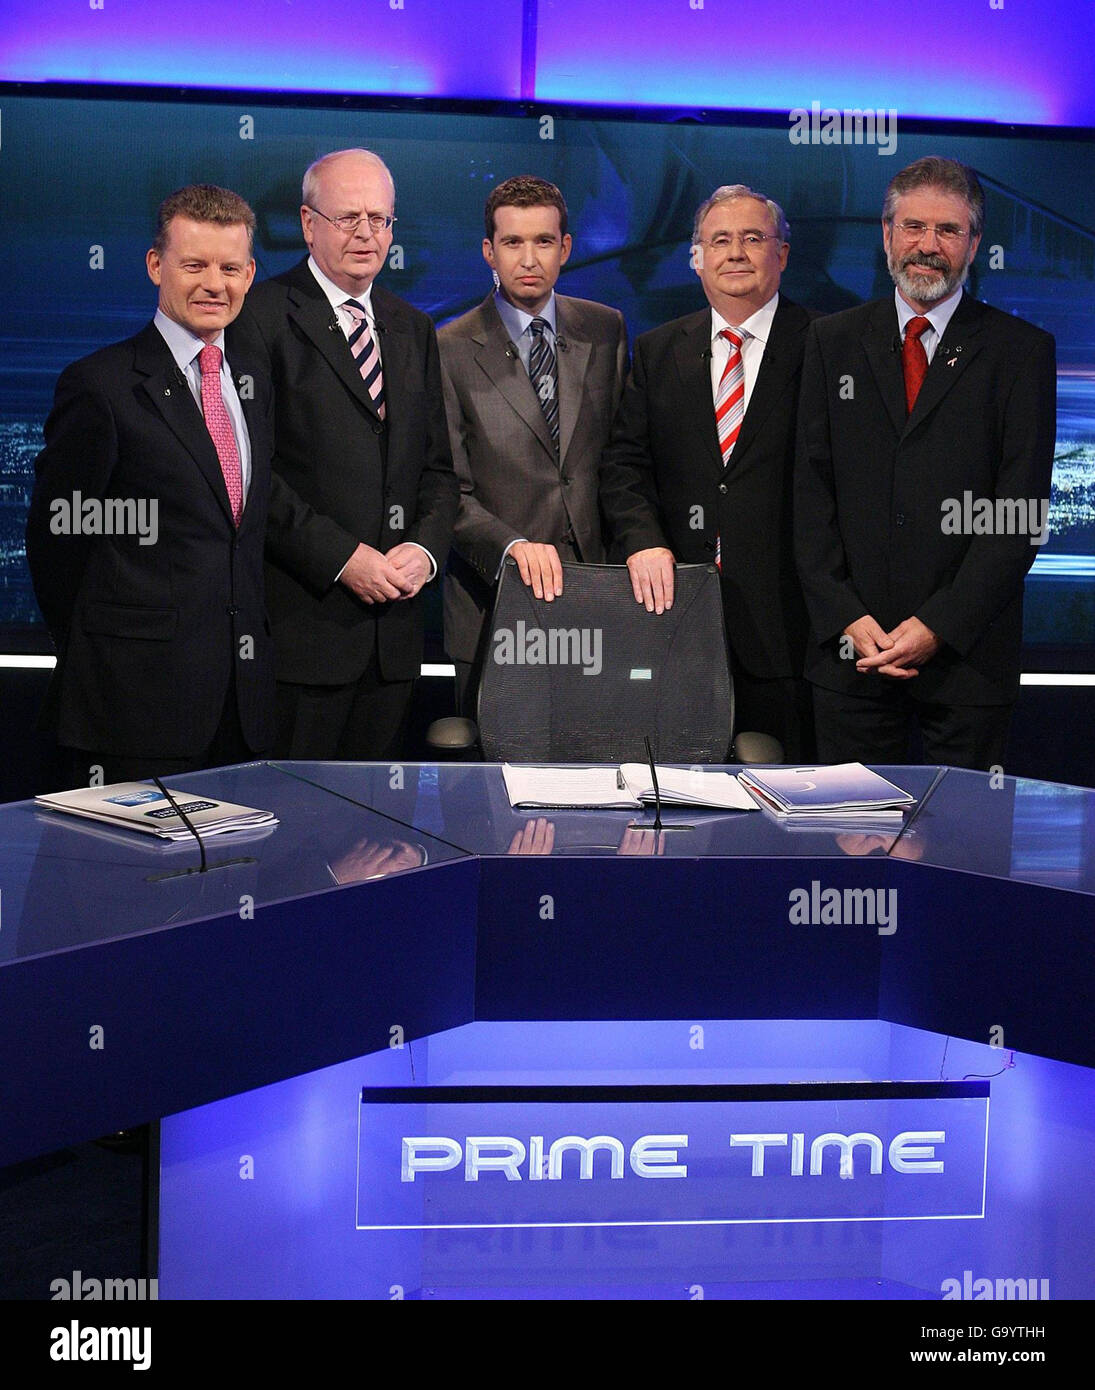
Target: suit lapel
x,y
498,359
262,445
170,395
692,354
957,349
311,311
572,361
777,365
882,345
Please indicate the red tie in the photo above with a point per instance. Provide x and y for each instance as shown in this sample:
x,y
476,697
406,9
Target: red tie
x,y
219,424
914,360
730,406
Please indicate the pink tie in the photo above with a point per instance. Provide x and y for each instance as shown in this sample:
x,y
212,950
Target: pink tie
x,y
730,406
219,424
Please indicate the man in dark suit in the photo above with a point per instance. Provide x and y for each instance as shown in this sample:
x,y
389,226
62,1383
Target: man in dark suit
x,y
926,448
532,380
145,533
700,464
364,495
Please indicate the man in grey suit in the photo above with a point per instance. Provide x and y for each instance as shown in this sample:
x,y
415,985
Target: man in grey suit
x,y
531,381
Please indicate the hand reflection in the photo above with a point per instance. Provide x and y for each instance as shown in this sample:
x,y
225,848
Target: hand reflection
x,y
910,846
641,840
375,858
536,837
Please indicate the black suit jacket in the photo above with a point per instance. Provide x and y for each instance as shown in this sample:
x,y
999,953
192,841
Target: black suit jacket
x,y
341,476
871,487
663,482
148,635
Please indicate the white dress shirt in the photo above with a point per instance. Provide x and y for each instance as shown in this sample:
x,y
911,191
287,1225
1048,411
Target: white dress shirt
x,y
758,326
337,297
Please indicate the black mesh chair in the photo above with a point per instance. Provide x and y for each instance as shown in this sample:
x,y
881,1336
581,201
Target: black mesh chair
x,y
587,677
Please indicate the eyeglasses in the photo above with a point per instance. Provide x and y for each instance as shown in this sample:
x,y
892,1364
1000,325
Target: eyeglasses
x,y
946,232
752,241
347,225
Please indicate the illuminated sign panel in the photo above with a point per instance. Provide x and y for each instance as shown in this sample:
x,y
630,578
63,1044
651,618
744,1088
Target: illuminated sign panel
x,y
449,1158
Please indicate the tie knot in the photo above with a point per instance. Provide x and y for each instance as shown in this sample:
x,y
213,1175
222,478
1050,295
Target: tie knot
x,y
209,360
537,327
915,327
354,309
734,336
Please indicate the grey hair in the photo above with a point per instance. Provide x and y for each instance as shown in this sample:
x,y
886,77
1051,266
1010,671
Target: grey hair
x,y
309,191
728,193
933,171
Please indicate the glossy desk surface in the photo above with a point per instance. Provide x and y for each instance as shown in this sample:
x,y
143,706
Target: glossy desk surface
x,y
408,898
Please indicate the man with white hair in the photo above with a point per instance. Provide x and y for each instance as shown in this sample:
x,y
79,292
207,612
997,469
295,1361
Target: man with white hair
x,y
700,465
364,495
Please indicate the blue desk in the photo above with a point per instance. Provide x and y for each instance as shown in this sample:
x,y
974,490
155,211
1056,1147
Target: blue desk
x,y
406,898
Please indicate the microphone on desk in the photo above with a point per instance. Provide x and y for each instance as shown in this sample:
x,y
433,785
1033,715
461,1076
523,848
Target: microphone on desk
x,y
205,866
657,827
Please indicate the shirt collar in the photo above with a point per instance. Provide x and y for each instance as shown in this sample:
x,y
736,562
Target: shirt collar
x,y
336,296
939,315
757,325
516,321
183,345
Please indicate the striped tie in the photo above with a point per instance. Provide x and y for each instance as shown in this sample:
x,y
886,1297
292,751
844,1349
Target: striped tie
x,y
730,405
541,370
363,347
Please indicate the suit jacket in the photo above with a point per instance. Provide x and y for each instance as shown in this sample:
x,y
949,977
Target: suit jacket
x,y
663,482
342,476
148,635
871,486
512,485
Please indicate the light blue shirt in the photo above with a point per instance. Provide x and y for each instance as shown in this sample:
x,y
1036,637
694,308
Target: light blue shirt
x,y
939,315
516,323
185,348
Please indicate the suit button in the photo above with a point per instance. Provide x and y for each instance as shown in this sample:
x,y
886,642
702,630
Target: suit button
x,y
566,480
231,610
723,487
378,428
900,518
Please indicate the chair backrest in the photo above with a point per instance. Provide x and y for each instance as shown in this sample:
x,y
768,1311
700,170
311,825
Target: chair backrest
x,y
584,678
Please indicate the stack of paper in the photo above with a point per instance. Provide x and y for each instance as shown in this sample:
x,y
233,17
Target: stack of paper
x,y
845,792
626,788
137,806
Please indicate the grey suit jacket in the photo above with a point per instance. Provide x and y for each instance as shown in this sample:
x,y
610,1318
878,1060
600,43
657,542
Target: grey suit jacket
x,y
511,484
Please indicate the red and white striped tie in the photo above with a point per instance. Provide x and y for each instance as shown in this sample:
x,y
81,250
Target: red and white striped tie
x,y
730,405
363,347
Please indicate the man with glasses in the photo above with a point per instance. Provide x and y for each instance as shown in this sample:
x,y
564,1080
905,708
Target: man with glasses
x,y
699,467
364,495
910,406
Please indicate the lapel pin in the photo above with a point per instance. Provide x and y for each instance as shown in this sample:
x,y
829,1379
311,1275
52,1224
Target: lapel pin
x,y
167,390
952,362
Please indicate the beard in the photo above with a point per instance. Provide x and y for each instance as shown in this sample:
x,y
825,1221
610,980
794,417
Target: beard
x,y
924,289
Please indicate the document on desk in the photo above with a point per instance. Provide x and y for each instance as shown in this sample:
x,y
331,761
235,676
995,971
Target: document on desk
x,y
624,788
